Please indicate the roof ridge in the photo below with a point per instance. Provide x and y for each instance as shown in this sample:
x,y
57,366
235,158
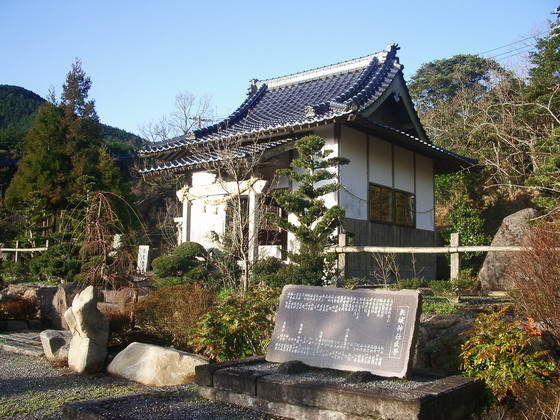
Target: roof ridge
x,y
320,72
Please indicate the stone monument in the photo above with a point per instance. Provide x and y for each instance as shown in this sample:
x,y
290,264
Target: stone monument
x,y
355,330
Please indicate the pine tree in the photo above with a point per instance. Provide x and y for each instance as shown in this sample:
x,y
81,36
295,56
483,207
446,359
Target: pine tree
x,y
315,222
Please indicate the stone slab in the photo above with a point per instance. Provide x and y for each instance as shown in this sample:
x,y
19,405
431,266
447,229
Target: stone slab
x,y
355,330
326,393
204,374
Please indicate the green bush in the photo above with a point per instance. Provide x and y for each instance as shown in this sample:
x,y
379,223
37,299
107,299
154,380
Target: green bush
x,y
265,271
413,283
183,263
499,352
170,313
190,251
438,307
168,265
58,262
441,287
239,326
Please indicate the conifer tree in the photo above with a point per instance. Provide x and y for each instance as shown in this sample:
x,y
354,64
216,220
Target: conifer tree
x,y
64,160
315,221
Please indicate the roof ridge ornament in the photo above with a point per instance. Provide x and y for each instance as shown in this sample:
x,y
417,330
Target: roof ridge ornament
x,y
253,87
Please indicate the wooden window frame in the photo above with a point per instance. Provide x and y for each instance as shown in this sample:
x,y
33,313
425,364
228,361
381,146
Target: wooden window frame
x,y
390,206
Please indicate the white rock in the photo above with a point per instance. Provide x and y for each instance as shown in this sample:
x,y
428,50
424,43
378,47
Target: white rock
x,y
90,333
56,344
155,366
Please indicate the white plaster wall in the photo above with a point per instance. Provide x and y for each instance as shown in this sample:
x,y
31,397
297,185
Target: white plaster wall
x,y
202,178
354,177
425,212
204,220
403,170
380,162
331,143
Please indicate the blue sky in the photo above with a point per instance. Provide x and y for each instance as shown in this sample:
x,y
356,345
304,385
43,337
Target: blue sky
x,y
140,54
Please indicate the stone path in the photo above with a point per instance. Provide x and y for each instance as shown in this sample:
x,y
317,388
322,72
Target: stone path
x,y
22,342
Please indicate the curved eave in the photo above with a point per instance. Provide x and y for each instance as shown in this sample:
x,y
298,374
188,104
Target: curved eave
x,y
445,160
269,132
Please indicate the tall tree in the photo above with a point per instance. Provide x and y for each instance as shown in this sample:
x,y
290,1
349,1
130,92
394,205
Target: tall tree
x,y
316,223
64,159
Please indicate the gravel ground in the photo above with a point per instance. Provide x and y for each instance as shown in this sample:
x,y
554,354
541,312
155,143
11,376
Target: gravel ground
x,y
32,388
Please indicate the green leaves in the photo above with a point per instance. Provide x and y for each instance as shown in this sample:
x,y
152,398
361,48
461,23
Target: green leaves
x,y
239,326
499,353
315,174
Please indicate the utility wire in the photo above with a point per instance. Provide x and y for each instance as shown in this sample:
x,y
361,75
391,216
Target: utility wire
x,y
513,43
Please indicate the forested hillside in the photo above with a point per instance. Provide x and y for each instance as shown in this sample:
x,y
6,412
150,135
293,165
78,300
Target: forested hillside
x,y
18,107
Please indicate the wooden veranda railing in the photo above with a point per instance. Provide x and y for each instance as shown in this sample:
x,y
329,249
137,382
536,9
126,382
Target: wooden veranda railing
x,y
454,250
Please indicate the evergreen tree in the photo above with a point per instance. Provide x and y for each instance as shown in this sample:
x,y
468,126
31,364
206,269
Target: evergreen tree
x,y
315,222
64,160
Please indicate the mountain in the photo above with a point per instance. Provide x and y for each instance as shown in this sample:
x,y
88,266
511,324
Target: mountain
x,y
18,107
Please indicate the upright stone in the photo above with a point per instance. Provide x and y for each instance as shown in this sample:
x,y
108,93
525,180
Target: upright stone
x,y
356,330
90,333
143,258
60,302
512,231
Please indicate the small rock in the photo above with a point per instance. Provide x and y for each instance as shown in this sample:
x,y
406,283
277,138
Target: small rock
x,y
56,344
155,366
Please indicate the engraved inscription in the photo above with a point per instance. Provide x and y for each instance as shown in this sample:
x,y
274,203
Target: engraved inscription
x,y
345,329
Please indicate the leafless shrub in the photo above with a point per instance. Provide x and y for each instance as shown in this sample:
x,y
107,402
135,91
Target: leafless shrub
x,y
536,273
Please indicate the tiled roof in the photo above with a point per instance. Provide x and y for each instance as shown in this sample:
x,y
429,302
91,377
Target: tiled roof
x,y
302,99
202,159
278,107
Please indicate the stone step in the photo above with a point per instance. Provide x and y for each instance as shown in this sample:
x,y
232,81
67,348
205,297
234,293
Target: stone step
x,y
27,343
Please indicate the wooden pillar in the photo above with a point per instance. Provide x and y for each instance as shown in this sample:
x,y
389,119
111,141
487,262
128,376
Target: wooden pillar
x,y
342,241
455,256
253,251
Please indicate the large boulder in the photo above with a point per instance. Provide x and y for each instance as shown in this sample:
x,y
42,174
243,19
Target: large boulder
x,y
60,303
514,228
155,366
56,344
90,333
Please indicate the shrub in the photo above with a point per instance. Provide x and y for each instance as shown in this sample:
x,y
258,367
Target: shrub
x,y
182,263
239,326
441,287
499,352
438,307
168,265
18,307
269,271
171,312
413,283
190,251
535,274
56,263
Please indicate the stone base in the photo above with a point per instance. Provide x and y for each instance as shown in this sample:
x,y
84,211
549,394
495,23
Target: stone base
x,y
324,393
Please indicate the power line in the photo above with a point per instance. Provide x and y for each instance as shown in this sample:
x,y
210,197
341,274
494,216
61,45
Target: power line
x,y
513,43
511,52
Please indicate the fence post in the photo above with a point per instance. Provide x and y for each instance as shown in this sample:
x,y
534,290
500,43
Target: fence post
x,y
16,256
455,256
342,241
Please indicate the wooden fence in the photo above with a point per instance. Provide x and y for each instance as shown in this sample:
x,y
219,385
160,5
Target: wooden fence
x,y
17,250
454,250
